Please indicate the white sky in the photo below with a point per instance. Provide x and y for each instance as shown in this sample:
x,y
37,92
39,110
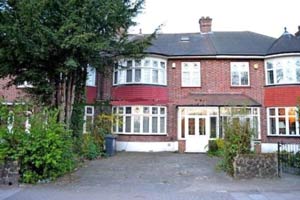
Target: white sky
x,y
267,17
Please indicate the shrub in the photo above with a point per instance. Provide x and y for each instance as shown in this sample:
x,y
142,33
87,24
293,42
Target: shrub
x,y
216,147
45,152
237,141
90,148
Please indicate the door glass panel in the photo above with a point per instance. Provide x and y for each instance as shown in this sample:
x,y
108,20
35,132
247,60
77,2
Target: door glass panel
x,y
282,126
213,127
182,127
191,127
272,126
202,126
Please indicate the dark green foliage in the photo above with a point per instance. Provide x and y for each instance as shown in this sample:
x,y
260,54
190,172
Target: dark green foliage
x,y
90,148
237,141
45,152
216,147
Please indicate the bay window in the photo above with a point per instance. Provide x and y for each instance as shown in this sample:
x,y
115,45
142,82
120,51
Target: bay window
x,y
283,71
283,121
142,120
136,71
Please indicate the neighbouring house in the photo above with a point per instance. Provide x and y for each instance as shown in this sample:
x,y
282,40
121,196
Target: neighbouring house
x,y
188,84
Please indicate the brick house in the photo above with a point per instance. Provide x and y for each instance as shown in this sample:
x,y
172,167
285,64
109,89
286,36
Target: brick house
x,y
179,95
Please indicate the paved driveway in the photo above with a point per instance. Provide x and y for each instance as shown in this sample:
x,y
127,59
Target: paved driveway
x,y
156,176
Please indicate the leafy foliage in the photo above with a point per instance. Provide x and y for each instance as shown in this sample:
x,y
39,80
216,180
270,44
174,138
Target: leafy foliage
x,y
45,152
59,38
237,140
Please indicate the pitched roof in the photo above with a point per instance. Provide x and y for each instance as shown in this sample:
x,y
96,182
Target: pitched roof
x,y
287,43
218,99
211,44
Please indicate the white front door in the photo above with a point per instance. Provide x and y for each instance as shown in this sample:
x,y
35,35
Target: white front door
x,y
197,134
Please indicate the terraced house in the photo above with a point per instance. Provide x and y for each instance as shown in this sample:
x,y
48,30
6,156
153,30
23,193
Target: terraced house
x,y
177,97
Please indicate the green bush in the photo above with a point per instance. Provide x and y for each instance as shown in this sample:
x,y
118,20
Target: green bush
x,y
90,148
216,147
237,141
45,152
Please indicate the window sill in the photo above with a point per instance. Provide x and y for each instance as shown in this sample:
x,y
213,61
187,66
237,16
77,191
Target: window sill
x,y
142,134
289,136
191,87
140,84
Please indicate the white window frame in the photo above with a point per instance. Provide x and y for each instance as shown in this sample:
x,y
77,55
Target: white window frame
x,y
239,65
25,84
287,65
91,76
122,119
193,69
86,114
147,69
286,117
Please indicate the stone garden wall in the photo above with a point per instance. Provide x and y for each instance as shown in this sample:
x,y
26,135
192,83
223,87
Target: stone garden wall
x,y
255,166
9,173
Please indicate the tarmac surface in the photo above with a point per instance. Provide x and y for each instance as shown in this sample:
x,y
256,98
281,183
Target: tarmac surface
x,y
156,176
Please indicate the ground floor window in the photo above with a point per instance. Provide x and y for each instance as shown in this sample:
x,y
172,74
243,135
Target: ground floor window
x,y
89,113
283,121
140,120
196,120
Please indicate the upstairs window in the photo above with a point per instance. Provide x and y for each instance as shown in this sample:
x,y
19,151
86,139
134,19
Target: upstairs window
x,y
190,74
91,76
282,71
145,71
239,74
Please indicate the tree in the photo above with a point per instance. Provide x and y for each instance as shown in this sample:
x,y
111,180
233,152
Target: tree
x,y
51,42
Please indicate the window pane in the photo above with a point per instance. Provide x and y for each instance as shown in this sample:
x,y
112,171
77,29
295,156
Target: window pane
x,y
128,110
185,78
162,111
115,77
202,130
196,79
146,124
282,126
281,111
154,110
147,63
122,76
298,75
292,125
155,76
213,127
191,126
183,128
279,76
235,78
270,77
162,125
128,124
129,63
154,124
272,112
138,63
137,124
120,124
155,64
129,76
255,127
244,78
273,126
163,65
146,75
146,110
137,76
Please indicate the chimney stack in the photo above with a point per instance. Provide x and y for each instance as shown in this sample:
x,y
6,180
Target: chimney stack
x,y
205,24
297,34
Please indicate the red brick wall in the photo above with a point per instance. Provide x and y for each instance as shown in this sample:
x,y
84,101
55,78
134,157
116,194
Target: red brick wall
x,y
12,93
91,94
215,78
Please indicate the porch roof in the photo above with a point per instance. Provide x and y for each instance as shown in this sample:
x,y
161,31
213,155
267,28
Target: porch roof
x,y
205,99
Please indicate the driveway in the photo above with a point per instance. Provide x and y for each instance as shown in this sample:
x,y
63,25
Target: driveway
x,y
156,176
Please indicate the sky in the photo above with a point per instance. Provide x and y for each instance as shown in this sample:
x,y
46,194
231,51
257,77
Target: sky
x,y
268,17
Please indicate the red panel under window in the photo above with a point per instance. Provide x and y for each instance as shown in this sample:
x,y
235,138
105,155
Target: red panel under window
x,y
282,96
139,95
91,94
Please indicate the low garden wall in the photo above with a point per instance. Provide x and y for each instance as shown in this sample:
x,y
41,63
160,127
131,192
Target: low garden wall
x,y
9,173
255,166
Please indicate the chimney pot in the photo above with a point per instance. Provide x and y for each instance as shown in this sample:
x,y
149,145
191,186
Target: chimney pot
x,y
205,24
